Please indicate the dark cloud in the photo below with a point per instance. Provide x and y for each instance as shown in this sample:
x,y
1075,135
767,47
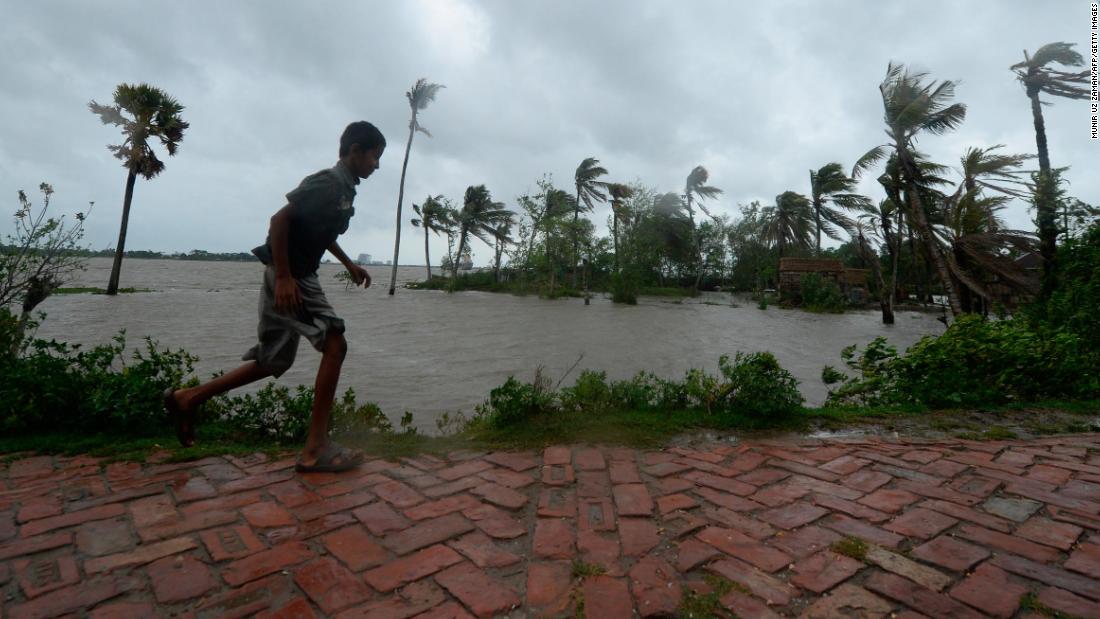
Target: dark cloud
x,y
759,93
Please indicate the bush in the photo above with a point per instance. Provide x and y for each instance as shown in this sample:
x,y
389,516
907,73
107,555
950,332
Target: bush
x,y
590,392
514,402
759,386
821,295
1072,306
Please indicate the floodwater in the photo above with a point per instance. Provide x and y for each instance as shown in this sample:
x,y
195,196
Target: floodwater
x,y
428,352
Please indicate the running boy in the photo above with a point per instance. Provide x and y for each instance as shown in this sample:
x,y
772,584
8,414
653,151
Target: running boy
x,y
292,304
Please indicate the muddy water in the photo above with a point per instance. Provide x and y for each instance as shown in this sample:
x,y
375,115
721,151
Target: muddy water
x,y
428,352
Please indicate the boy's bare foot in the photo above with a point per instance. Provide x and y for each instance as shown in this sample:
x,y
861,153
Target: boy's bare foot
x,y
183,419
331,458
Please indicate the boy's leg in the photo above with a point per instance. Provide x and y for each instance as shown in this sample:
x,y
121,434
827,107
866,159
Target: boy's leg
x,y
190,399
324,392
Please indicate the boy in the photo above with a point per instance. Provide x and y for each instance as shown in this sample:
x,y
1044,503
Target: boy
x,y
292,303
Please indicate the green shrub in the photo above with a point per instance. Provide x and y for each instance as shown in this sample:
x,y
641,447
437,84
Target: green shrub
x,y
1072,305
590,392
514,402
759,387
821,295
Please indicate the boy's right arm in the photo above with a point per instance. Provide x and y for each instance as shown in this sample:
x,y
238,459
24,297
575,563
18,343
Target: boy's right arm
x,y
287,296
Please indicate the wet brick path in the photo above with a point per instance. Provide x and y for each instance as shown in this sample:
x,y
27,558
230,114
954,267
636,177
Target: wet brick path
x,y
952,529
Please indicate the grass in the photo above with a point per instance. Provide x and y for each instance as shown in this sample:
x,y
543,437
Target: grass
x,y
93,290
583,570
708,605
853,547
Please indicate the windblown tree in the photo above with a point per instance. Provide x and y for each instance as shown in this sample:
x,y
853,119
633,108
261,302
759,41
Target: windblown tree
x,y
502,238
832,192
912,106
479,218
433,216
696,189
144,113
421,94
589,192
863,229
1038,77
619,193
789,223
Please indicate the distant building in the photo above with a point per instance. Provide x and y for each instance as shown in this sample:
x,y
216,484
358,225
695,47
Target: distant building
x,y
852,282
364,259
389,263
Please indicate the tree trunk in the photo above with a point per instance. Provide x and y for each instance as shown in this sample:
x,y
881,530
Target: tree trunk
x,y
427,261
615,237
576,220
1045,210
400,197
457,257
116,268
925,230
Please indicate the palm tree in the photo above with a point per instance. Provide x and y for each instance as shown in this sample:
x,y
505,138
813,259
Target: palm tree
x,y
789,222
421,94
830,185
696,187
433,216
619,192
589,192
862,229
143,112
913,106
479,217
1038,78
502,237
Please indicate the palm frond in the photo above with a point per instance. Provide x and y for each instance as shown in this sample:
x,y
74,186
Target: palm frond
x,y
869,159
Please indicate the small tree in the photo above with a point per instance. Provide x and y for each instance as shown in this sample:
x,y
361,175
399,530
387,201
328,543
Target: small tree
x,y
37,259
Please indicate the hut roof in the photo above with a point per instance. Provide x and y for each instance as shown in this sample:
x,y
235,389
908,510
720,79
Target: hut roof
x,y
810,265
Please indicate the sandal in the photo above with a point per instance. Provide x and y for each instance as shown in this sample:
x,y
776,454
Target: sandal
x,y
184,421
333,459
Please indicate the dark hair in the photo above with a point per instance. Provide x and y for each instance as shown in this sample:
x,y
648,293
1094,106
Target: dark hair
x,y
366,135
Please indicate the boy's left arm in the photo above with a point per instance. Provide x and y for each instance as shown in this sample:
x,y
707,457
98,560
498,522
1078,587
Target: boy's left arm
x,y
358,274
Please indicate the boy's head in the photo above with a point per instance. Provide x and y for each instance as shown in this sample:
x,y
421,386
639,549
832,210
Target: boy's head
x,y
361,146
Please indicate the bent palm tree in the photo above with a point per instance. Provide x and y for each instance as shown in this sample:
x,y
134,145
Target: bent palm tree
x,y
789,222
696,187
143,112
831,186
589,192
502,237
619,192
433,216
421,94
1038,78
912,106
862,230
479,217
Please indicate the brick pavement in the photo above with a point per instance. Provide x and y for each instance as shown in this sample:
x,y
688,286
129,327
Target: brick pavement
x,y
953,528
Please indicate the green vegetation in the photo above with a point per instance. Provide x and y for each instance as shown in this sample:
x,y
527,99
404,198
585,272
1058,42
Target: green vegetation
x,y
708,605
582,569
853,547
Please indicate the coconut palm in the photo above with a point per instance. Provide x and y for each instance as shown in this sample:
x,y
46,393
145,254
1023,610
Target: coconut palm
x,y
433,216
421,94
589,192
502,238
912,106
619,192
863,229
789,222
479,217
1037,77
696,188
830,187
143,112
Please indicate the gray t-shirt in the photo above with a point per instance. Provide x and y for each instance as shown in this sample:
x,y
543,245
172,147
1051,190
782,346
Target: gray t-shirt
x,y
320,210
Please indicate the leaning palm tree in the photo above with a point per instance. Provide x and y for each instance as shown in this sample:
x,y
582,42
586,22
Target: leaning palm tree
x,y
143,112
433,216
479,217
830,187
619,192
502,238
1038,78
696,188
589,192
789,222
863,229
421,94
911,106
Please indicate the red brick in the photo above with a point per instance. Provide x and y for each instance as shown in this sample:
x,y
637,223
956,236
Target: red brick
x,y
441,507
805,541
32,545
975,485
40,507
664,469
312,511
737,544
104,537
851,508
745,605
1086,559
557,475
779,494
297,608
548,587
179,578
266,562
745,524
1008,543
139,556
691,553
943,468
1049,474
464,469
398,494
380,518
253,482
450,610
990,590
633,500
556,455
45,574
823,571
553,539
221,504
916,596
36,466
355,548
970,515
593,484
624,473
413,567
501,527
763,477
729,501
427,533
1068,603
234,542
517,462
75,598
245,601
186,525
330,585
923,575
862,530
1059,535
792,516
596,515
712,458
804,469
866,480
950,553
845,465
501,496
557,503
1054,576
478,548
848,601
889,500
507,478
919,522
670,485
153,510
674,502
460,485
638,536
267,514
71,519
656,587
590,459
607,598
818,486
193,489
769,588
123,610
484,595
720,483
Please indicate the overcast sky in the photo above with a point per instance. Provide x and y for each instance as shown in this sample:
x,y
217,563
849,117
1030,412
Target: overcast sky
x,y
758,93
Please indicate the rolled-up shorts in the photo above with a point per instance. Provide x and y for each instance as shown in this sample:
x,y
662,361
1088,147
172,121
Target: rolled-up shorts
x,y
279,333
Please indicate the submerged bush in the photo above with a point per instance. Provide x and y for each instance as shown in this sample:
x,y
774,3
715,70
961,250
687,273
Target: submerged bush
x,y
821,295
